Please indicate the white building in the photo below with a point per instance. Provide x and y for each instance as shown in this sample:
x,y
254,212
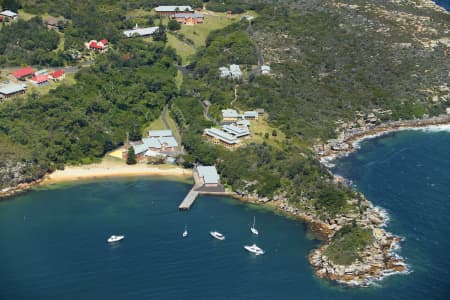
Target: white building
x,y
140,31
208,175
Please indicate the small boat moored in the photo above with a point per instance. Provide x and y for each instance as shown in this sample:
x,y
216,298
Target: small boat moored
x,y
185,232
254,249
253,228
115,238
217,235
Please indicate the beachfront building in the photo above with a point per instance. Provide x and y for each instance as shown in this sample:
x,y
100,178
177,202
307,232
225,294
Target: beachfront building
x,y
208,176
140,32
220,137
40,80
12,89
159,144
230,115
238,132
171,10
189,18
8,15
23,73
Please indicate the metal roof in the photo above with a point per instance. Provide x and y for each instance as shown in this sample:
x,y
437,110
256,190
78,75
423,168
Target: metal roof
x,y
140,31
221,135
152,142
138,149
159,133
209,174
251,114
8,13
169,140
11,88
237,131
173,8
229,113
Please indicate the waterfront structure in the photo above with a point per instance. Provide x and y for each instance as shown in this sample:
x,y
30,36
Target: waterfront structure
x,y
189,18
230,115
171,10
208,176
218,136
40,80
7,14
236,131
138,32
159,143
12,89
23,73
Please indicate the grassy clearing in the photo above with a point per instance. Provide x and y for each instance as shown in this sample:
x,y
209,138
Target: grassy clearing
x,y
185,51
179,79
158,124
259,128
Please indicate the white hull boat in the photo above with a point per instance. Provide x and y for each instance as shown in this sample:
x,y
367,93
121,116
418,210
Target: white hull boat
x,y
115,238
185,232
254,249
217,235
253,229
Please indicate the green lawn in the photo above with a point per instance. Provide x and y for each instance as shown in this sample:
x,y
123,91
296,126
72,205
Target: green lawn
x,y
184,50
179,79
259,128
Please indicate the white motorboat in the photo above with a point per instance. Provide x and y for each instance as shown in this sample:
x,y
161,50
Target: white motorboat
x,y
217,235
115,238
185,232
254,249
253,229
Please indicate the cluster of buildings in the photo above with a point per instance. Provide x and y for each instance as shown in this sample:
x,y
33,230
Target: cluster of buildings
x,y
235,126
233,72
159,145
38,78
99,46
183,14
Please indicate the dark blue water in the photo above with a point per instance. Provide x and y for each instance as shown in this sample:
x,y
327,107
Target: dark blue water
x,y
444,3
408,173
53,240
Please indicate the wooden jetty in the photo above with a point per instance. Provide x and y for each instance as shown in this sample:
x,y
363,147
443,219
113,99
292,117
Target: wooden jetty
x,y
188,200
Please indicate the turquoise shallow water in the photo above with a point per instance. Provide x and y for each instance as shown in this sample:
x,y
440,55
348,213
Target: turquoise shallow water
x,y
53,240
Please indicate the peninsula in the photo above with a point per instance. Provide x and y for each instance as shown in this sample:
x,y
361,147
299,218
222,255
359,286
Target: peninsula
x,y
266,92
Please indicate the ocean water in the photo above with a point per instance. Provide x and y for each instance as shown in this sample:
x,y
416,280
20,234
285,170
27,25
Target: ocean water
x,y
444,3
53,239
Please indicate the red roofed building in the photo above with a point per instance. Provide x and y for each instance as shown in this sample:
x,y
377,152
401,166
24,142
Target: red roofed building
x,y
40,79
100,46
58,75
23,73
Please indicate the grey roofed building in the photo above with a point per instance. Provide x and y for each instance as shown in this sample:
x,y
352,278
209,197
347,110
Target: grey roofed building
x,y
160,133
260,111
221,135
140,31
265,69
250,115
9,14
224,72
173,8
229,113
236,131
152,143
208,174
140,148
12,88
243,123
170,141
151,153
235,71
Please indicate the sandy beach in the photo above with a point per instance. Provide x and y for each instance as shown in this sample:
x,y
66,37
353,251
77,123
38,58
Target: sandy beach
x,y
108,168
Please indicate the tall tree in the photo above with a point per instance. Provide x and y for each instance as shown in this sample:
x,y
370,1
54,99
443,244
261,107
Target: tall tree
x,y
131,157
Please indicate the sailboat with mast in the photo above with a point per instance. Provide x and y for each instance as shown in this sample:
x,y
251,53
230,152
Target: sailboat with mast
x,y
253,229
